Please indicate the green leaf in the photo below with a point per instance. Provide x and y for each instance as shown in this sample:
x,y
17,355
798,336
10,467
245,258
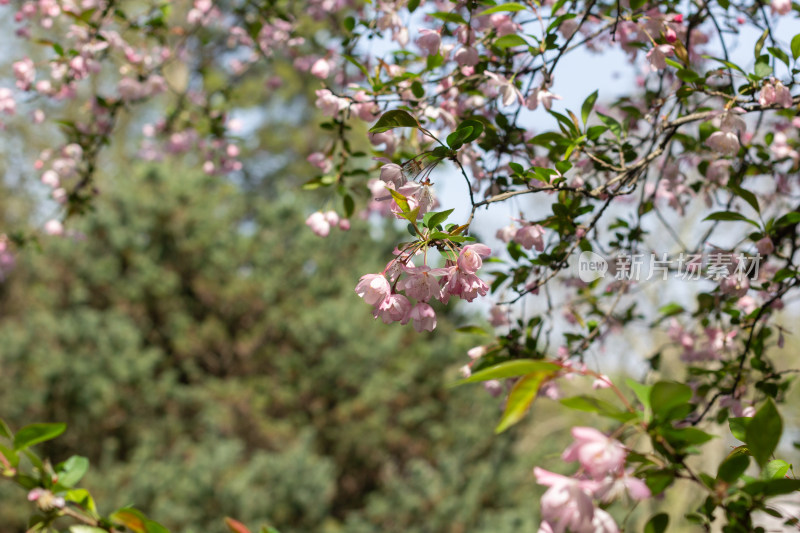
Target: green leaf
x,y
732,468
36,433
760,43
776,469
657,524
591,404
400,200
449,17
413,5
763,432
511,6
779,54
72,471
520,399
795,46
788,219
739,427
588,105
477,129
82,498
456,139
508,41
5,431
11,456
728,64
658,480
613,125
472,330
85,529
510,369
396,118
666,395
417,89
763,68
731,216
747,196
436,218
131,518
641,391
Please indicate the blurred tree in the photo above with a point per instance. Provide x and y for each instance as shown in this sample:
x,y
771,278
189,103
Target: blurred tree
x,y
211,359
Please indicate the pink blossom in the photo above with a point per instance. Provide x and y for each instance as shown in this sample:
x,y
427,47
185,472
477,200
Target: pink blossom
x,y
658,54
470,257
394,308
374,288
498,317
781,7
464,285
467,56
318,224
429,41
508,91
329,103
567,505
420,283
477,352
765,246
25,72
614,487
542,96
393,173
506,233
530,236
54,227
724,142
424,317
321,68
598,454
7,103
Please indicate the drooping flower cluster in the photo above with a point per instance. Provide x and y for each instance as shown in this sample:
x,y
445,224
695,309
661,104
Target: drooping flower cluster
x,y
569,502
390,292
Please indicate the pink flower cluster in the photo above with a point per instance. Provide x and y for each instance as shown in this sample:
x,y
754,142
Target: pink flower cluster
x,y
569,502
321,223
390,292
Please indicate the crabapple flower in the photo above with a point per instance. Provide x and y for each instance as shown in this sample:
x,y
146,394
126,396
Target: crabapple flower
x,y
462,284
724,142
765,246
598,454
542,96
467,56
781,7
374,288
321,68
424,317
54,227
775,92
658,54
530,236
46,500
329,103
508,91
318,224
429,41
392,173
506,233
470,259
420,282
567,505
25,73
394,308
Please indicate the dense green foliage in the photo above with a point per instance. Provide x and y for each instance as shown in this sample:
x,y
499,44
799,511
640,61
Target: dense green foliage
x,y
210,359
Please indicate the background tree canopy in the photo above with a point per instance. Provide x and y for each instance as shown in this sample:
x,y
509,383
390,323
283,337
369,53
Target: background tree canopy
x,y
209,358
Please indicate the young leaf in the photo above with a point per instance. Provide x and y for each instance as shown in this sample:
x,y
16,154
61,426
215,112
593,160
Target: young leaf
x,y
400,200
666,395
510,6
396,118
776,469
796,46
520,399
235,526
657,524
510,369
72,471
36,433
731,216
511,40
588,105
739,427
5,431
763,432
732,468
436,218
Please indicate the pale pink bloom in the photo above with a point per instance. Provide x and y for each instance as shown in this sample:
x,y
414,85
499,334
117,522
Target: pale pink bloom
x,y
374,288
329,103
506,233
765,246
429,41
321,161
393,173
493,387
477,351
498,317
386,137
318,224
747,304
542,96
46,500
467,56
464,285
321,68
51,179
530,236
781,7
54,227
7,103
503,24
658,54
465,371
783,97
775,92
598,454
734,285
602,522
344,224
25,72
508,91
332,217
567,504
394,308
470,257
724,142
603,382
719,171
612,488
420,282
424,317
